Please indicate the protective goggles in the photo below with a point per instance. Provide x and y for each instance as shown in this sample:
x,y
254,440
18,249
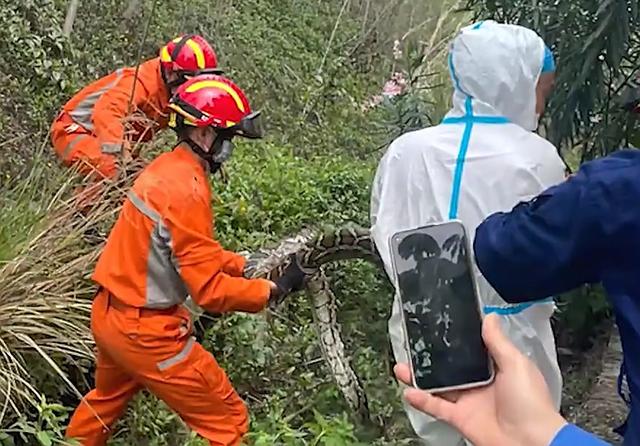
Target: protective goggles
x,y
249,127
186,74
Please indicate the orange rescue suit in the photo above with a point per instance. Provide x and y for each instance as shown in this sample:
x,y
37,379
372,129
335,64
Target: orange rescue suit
x,y
161,249
89,131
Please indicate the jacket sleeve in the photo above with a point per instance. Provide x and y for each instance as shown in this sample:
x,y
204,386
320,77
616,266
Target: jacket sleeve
x,y
549,245
233,264
571,435
111,110
201,262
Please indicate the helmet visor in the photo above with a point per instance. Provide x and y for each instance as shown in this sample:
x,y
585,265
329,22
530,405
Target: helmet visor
x,y
217,71
250,126
185,75
222,150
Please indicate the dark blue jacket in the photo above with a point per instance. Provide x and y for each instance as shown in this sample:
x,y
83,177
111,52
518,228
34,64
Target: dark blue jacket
x,y
585,230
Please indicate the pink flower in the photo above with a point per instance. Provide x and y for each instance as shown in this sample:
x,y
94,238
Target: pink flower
x,y
399,78
395,86
391,89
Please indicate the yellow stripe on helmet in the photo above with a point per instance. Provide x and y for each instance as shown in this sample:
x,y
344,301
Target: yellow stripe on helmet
x,y
217,84
198,52
164,54
189,119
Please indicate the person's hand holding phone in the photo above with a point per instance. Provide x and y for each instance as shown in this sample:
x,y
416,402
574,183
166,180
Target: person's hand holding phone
x,y
516,409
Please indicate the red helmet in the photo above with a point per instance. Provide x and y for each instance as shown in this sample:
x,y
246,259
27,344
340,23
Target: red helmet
x,y
215,101
188,55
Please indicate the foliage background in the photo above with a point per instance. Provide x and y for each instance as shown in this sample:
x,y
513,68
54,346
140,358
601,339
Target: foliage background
x,y
309,65
314,67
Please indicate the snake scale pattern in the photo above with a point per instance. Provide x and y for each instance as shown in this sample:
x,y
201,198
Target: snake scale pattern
x,y
313,249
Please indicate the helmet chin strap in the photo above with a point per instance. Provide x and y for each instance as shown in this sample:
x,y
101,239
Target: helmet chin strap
x,y
171,85
218,153
168,85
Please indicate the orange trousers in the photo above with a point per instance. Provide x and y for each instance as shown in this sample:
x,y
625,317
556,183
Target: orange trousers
x,y
75,146
153,349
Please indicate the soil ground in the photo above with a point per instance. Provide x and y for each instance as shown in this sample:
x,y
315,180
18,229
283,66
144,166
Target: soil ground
x,y
602,410
590,397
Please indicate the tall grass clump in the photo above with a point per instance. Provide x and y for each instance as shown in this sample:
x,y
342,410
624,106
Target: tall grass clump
x,y
45,286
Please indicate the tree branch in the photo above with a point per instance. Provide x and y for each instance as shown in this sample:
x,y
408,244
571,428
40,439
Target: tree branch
x,y
72,11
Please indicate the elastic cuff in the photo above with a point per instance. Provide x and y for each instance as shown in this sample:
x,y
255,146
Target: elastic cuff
x,y
255,303
267,291
571,435
240,263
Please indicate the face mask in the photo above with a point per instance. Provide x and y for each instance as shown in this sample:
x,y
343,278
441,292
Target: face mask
x,y
219,152
221,148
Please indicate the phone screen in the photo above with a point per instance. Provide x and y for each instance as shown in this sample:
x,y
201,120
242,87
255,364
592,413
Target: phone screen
x,y
440,307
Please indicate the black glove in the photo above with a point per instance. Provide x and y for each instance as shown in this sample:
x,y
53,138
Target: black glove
x,y
292,280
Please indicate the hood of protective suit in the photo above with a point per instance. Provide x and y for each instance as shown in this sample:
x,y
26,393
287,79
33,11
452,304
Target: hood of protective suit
x,y
495,69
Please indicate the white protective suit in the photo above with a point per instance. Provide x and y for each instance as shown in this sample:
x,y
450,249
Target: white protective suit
x,y
483,158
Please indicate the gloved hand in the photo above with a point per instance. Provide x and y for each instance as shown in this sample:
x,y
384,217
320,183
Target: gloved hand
x,y
292,280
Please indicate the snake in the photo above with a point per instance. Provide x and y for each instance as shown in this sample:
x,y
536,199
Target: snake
x,y
313,249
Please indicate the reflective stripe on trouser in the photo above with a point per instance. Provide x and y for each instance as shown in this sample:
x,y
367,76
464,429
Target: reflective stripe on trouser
x,y
530,330
80,148
153,349
84,151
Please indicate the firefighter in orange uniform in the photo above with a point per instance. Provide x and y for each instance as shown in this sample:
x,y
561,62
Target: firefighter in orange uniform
x,y
161,249
89,131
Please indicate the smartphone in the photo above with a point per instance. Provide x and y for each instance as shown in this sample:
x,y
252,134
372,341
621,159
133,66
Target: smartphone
x,y
441,311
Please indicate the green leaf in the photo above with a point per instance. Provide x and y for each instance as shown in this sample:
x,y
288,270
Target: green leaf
x,y
6,439
44,438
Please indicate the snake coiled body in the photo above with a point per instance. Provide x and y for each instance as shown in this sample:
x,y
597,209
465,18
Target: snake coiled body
x,y
313,249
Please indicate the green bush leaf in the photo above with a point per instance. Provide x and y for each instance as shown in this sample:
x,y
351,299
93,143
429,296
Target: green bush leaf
x,y
44,438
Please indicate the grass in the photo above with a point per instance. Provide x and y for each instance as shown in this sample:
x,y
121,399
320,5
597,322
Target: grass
x,y
25,199
48,250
